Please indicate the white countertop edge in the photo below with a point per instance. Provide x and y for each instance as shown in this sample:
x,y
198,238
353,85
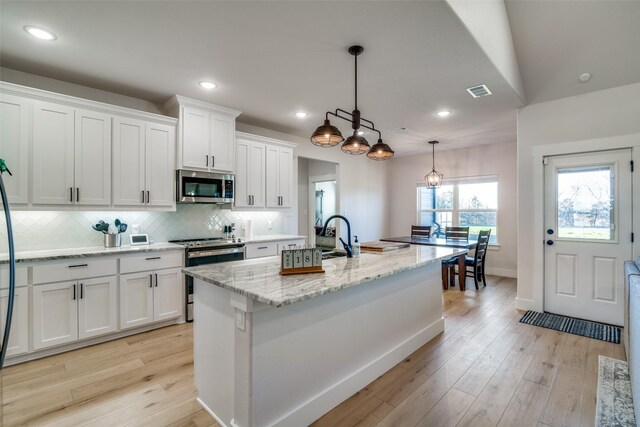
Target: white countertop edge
x,y
272,238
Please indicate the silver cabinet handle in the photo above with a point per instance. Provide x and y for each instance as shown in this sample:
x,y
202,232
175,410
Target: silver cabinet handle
x,y
71,194
151,280
147,196
77,194
156,280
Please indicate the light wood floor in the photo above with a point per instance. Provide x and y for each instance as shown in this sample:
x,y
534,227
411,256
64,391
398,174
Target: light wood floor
x,y
486,369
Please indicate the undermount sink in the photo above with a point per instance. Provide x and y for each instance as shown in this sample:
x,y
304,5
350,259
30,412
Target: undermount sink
x,y
333,254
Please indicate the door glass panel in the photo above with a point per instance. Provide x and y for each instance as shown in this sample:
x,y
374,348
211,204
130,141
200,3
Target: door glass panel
x,y
585,203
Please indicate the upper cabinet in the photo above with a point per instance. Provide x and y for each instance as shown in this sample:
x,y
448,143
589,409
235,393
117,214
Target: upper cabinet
x,y
264,172
14,146
72,153
206,135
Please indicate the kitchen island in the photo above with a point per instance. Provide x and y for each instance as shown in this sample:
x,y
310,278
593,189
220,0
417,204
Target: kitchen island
x,y
284,350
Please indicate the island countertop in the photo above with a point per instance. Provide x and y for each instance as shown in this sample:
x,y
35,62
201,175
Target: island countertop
x,y
260,279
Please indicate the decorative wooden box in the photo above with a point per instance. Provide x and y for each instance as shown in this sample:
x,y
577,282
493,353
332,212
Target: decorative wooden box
x,y
301,261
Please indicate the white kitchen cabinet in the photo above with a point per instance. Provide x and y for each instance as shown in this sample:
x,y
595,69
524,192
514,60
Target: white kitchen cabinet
x,y
14,146
206,135
97,307
67,311
259,250
55,314
250,174
143,173
290,244
53,154
279,176
71,156
150,296
19,337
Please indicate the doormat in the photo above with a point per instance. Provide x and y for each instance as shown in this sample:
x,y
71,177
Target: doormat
x,y
614,404
585,328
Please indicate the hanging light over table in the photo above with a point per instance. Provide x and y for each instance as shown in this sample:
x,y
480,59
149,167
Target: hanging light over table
x,y
433,178
328,135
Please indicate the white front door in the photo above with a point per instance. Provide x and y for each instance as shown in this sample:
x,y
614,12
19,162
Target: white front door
x,y
588,230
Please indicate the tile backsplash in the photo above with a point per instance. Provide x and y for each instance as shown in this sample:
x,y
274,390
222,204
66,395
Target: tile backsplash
x,y
35,230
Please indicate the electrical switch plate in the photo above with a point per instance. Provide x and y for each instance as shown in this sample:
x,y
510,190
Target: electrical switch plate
x,y
240,319
269,225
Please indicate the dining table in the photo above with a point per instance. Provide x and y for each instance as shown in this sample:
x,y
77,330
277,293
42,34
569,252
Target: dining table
x,y
442,242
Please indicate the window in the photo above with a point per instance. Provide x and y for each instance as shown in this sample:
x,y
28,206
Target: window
x,y
460,202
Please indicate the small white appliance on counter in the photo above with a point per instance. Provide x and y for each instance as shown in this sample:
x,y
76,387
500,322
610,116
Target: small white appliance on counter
x,y
139,239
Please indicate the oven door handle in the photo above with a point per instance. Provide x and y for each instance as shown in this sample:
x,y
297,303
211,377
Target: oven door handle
x,y
201,254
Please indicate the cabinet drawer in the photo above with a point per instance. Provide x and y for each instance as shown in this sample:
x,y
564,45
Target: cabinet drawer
x,y
21,275
290,244
257,250
151,261
73,269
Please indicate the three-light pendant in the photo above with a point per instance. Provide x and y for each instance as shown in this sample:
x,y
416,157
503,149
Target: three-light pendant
x,y
328,135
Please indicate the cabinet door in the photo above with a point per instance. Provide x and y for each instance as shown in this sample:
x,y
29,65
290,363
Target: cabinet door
x,y
14,148
285,176
128,162
53,155
222,143
257,174
241,183
271,177
160,169
136,299
55,314
92,158
196,135
97,307
19,336
168,297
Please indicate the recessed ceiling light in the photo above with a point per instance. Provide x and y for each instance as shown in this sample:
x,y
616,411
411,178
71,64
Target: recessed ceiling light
x,y
39,33
208,85
301,114
443,113
584,77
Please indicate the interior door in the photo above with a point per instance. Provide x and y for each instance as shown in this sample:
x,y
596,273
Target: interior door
x,y
588,226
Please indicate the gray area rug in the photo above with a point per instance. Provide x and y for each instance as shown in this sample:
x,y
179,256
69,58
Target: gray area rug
x,y
614,404
585,328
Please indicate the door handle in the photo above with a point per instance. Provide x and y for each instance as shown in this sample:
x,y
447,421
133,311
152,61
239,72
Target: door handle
x,y
77,194
549,231
151,280
156,279
549,242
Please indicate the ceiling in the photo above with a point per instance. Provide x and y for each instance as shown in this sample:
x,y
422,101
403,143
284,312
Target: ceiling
x,y
271,59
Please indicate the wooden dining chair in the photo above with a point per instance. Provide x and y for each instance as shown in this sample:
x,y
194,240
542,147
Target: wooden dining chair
x,y
448,265
421,231
456,233
474,265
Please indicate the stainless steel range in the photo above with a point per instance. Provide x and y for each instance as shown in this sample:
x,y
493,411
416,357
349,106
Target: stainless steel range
x,y
206,251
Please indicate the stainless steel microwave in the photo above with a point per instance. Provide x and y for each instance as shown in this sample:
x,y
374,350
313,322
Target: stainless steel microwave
x,y
204,187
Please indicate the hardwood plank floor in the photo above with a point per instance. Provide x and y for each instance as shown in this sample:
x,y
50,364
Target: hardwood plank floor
x,y
486,369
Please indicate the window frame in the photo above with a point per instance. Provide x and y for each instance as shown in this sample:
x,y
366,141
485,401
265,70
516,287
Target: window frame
x,y
456,210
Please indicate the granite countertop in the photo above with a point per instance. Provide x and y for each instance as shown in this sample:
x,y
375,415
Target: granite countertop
x,y
53,254
260,278
272,238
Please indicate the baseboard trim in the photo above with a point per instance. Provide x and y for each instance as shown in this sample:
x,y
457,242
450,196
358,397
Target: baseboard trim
x,y
502,272
526,304
213,414
337,393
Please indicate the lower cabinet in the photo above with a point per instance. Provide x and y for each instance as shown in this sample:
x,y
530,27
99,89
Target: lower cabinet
x,y
150,296
64,312
19,337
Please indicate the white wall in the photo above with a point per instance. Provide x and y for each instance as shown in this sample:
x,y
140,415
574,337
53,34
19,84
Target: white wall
x,y
361,184
328,199
593,121
303,197
494,159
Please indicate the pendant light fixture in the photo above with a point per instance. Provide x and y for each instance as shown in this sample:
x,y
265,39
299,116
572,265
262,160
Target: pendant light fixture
x,y
433,178
328,135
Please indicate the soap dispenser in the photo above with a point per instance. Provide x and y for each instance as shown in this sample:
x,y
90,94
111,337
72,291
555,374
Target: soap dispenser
x,y
356,247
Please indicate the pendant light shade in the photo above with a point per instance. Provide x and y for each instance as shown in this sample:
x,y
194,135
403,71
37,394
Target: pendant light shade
x,y
433,178
380,151
355,144
327,135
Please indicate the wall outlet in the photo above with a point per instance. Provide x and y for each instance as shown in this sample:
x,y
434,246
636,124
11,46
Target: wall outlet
x,y
269,225
240,320
135,229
